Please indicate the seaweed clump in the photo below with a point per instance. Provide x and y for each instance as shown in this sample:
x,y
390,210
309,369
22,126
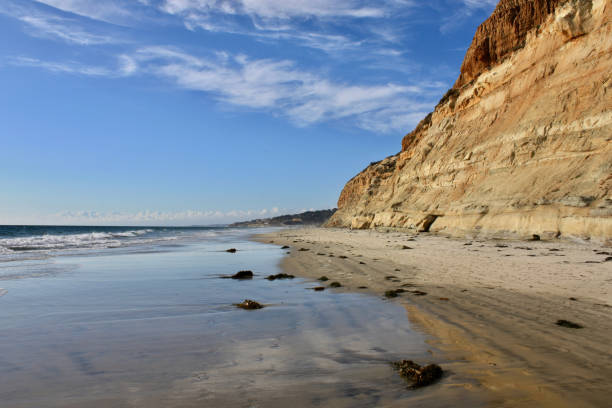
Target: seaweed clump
x,y
568,324
249,305
420,376
280,276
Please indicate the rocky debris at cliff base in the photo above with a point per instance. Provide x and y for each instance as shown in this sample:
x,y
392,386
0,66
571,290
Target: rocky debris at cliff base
x,y
280,276
249,305
419,376
393,293
568,324
241,275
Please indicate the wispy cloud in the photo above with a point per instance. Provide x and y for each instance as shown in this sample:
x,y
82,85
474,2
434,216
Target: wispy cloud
x,y
476,4
470,7
292,20
66,67
43,24
111,11
151,217
64,29
280,87
279,9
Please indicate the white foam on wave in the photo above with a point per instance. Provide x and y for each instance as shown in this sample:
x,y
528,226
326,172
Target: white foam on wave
x,y
69,241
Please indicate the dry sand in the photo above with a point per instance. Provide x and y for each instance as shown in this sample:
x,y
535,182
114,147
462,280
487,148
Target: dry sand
x,y
491,306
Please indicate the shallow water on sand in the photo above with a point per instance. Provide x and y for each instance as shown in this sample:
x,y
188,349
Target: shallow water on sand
x,y
158,329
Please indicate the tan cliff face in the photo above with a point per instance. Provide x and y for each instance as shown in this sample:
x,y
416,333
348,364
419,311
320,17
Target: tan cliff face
x,y
521,145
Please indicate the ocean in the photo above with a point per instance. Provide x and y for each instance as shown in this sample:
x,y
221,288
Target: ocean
x,y
141,317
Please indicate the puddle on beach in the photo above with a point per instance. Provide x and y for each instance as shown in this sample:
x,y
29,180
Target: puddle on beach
x,y
158,329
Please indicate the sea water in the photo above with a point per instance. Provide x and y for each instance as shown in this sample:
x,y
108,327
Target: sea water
x,y
140,317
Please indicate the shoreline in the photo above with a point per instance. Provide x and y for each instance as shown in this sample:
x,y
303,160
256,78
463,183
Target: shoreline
x,y
491,306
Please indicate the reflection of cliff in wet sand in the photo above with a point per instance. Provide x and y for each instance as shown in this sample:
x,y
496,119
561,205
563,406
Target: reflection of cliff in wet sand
x,y
494,306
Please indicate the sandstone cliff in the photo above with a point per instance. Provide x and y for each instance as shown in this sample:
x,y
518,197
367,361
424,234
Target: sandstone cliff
x,y
520,145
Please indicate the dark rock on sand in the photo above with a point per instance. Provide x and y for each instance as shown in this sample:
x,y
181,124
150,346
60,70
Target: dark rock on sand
x,y
418,293
335,285
535,237
420,376
242,275
568,324
318,288
391,294
231,250
323,279
285,247
343,257
406,247
362,287
280,276
249,305
304,249
608,259
361,263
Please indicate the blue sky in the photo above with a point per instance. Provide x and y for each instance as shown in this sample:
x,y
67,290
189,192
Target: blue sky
x,y
190,112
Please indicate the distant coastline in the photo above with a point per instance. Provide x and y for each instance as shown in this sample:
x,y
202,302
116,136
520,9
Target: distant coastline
x,y
312,218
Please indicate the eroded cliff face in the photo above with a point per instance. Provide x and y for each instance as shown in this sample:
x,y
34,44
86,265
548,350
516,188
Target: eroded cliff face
x,y
522,143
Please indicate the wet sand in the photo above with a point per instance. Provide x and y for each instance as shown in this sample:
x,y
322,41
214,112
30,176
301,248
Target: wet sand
x,y
159,329
491,306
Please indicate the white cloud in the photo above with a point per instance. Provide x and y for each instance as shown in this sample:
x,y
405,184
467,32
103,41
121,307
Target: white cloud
x,y
470,7
64,29
273,20
41,23
68,67
277,9
103,10
278,86
474,4
149,217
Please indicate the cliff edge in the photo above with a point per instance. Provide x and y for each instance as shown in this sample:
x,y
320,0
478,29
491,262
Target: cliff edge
x,y
521,144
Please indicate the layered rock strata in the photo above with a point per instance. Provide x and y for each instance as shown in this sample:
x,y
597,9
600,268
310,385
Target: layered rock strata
x,y
521,145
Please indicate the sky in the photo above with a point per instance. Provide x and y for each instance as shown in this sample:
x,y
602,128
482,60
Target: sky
x,y
196,112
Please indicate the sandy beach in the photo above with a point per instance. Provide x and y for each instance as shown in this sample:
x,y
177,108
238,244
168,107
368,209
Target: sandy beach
x,y
491,307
